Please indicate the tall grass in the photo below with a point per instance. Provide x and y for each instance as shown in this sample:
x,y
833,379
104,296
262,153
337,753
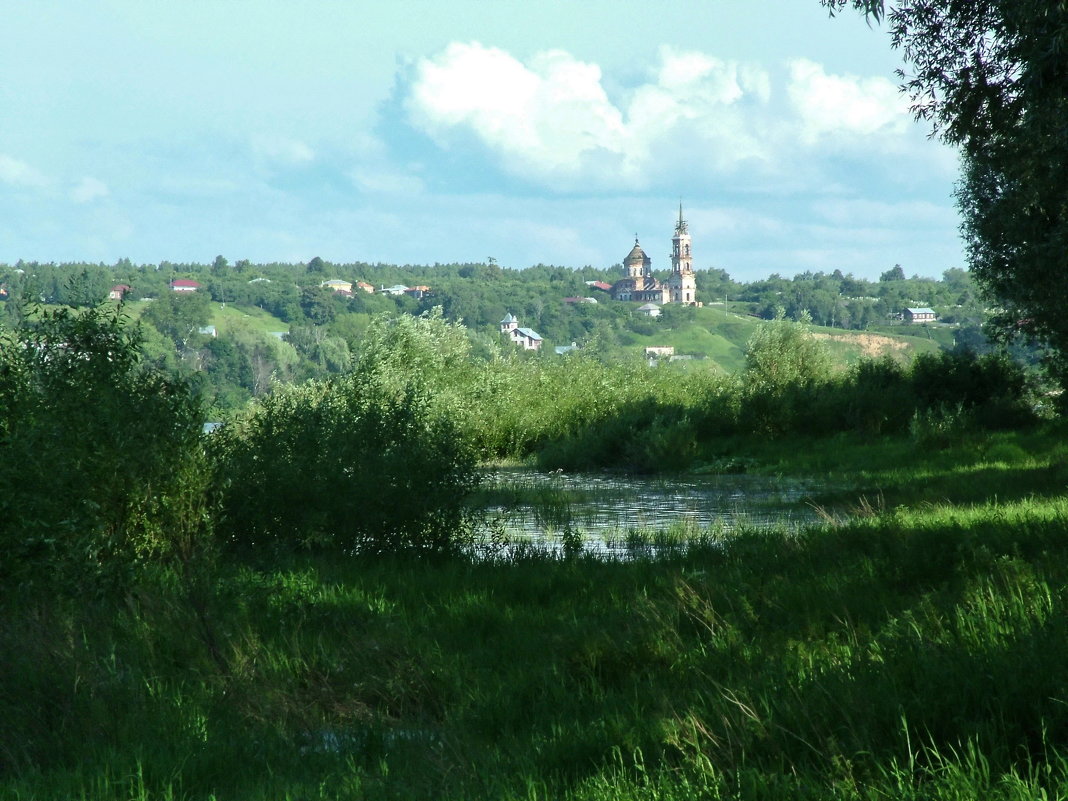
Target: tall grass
x,y
909,654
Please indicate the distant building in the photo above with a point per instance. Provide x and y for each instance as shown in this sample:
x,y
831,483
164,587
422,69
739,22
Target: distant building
x,y
638,283
526,337
417,292
650,309
184,285
660,351
396,289
118,292
919,315
338,285
366,287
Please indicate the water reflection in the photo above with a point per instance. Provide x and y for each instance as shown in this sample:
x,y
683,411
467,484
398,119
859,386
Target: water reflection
x,y
607,506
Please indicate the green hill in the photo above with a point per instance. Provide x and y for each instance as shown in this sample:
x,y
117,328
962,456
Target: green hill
x,y
227,316
720,337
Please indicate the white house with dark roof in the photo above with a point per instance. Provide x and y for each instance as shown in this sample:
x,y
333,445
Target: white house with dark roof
x,y
528,338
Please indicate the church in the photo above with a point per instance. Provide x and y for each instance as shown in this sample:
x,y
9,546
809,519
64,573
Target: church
x,y
638,283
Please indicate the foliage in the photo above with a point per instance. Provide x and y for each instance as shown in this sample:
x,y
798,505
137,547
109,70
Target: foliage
x,y
782,352
369,462
98,455
990,75
179,316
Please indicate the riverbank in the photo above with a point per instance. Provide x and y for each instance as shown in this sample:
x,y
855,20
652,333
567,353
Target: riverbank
x,y
912,649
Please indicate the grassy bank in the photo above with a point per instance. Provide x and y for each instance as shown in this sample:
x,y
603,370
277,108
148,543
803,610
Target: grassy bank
x,y
915,651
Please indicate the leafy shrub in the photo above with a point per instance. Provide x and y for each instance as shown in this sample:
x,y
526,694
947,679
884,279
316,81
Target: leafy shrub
x,y
99,455
941,426
992,387
784,362
879,396
782,353
345,465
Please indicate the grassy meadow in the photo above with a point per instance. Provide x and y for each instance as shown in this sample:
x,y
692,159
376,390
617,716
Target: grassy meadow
x,y
912,647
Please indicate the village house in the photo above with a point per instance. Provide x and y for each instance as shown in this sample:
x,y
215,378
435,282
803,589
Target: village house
x,y
184,285
118,292
338,285
526,337
919,315
366,287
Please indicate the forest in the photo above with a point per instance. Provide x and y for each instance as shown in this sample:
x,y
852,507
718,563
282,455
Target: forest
x,y
249,325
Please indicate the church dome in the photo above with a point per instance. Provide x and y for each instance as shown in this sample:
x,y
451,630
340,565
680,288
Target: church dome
x,y
636,254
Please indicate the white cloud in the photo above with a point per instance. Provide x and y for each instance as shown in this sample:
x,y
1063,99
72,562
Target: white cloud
x,y
551,119
19,173
547,115
833,104
88,190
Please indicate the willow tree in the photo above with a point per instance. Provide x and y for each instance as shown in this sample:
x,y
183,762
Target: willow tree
x,y
991,77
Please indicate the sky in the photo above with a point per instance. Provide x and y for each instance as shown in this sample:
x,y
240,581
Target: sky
x,y
439,131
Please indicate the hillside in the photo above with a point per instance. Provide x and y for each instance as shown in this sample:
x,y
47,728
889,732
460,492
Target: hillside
x,y
721,336
705,334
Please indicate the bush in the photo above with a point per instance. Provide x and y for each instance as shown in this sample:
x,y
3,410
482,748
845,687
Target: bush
x,y
345,465
99,456
877,397
993,388
785,365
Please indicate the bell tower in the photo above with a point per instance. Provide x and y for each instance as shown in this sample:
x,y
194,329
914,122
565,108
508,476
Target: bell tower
x,y
682,284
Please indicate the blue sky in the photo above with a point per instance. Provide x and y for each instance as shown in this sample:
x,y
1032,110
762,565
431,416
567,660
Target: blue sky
x,y
422,131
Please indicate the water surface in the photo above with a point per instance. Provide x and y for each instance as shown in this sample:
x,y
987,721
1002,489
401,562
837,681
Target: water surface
x,y
608,505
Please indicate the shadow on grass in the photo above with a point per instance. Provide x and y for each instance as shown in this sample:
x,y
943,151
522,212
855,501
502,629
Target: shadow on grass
x,y
831,655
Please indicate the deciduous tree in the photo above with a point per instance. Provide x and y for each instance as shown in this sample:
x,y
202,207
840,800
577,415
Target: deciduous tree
x,y
991,76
